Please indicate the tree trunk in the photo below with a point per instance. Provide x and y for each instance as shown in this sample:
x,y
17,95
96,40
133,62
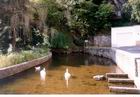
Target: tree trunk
x,y
14,40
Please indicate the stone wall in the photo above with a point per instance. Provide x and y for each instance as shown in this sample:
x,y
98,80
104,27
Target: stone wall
x,y
100,51
11,70
106,52
101,41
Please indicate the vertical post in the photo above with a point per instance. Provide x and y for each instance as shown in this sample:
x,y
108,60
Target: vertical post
x,y
136,67
85,45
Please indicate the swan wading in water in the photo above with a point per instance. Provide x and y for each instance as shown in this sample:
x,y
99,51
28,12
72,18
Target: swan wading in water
x,y
67,76
38,68
43,74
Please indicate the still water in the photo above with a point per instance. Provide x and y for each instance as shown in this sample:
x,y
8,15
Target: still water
x,y
82,68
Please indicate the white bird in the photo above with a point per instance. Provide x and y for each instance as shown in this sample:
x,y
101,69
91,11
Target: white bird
x,y
99,77
67,76
10,48
38,68
43,74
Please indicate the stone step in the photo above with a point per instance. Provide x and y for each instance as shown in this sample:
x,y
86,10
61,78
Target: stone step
x,y
122,85
116,75
120,80
127,90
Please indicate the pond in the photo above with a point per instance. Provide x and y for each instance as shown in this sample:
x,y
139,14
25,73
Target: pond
x,y
82,68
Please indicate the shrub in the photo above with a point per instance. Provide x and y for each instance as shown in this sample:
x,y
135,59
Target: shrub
x,y
60,40
132,9
37,37
90,17
23,56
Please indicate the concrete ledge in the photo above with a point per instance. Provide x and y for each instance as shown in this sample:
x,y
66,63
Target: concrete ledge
x,y
11,70
128,90
116,75
120,80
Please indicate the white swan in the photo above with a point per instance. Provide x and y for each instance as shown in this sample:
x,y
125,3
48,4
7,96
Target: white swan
x,y
43,74
67,76
38,68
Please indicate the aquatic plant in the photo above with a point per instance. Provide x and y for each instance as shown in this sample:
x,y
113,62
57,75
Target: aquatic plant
x,y
60,41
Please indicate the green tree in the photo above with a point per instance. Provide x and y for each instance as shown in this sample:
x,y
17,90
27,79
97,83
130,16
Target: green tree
x,y
91,16
132,9
55,16
103,15
79,17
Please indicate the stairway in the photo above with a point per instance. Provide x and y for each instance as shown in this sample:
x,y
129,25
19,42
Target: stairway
x,y
120,83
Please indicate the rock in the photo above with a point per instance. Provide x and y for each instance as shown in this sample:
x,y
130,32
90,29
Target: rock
x,y
99,77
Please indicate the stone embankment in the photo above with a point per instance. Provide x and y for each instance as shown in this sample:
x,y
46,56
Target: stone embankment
x,y
11,70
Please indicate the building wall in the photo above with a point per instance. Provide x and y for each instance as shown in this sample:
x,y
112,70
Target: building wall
x,y
125,36
127,62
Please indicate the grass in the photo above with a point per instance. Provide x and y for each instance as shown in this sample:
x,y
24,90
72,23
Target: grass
x,y
23,56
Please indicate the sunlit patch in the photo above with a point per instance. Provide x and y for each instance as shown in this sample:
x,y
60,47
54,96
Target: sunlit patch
x,y
53,82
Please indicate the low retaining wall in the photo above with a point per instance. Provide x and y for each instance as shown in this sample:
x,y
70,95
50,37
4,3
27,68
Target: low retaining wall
x,y
100,40
100,51
11,70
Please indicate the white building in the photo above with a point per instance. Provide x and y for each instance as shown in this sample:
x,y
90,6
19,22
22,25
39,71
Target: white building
x,y
126,43
125,36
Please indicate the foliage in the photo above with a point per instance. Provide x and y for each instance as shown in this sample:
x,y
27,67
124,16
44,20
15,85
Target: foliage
x,y
60,40
24,19
23,56
103,15
121,22
80,17
97,2
55,16
132,9
90,17
37,37
46,42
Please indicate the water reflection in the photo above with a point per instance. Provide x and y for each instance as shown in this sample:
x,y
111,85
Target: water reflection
x,y
43,74
100,61
86,62
51,77
79,59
